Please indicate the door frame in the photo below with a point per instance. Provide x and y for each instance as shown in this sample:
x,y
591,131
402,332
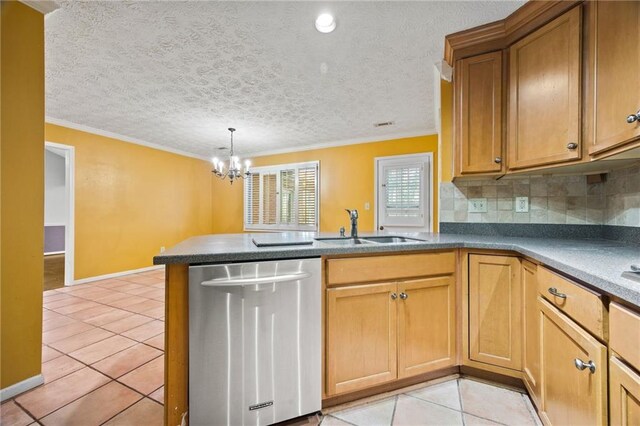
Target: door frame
x,y
69,230
430,210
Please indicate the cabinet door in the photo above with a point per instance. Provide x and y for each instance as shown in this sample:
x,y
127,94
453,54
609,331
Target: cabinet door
x,y
544,94
571,396
361,337
478,114
495,300
426,325
617,67
624,391
531,330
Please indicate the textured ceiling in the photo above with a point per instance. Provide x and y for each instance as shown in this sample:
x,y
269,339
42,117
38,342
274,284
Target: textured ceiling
x,y
177,74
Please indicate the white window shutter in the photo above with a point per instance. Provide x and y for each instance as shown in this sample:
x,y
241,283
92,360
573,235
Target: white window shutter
x,y
403,195
282,198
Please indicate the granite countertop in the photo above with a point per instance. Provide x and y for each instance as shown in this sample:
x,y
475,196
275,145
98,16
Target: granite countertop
x,y
602,264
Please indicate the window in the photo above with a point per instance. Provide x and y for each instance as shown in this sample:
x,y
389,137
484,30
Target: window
x,y
404,192
282,197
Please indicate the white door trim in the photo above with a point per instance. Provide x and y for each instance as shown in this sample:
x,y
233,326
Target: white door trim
x,y
69,230
376,160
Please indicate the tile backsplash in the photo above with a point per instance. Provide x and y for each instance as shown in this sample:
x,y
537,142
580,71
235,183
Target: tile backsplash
x,y
552,199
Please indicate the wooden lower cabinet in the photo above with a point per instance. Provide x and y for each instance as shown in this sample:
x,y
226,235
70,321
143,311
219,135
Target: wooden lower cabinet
x,y
531,330
570,396
426,325
495,310
360,337
624,391
377,333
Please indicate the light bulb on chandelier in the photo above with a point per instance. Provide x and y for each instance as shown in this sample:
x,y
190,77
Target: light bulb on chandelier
x,y
234,167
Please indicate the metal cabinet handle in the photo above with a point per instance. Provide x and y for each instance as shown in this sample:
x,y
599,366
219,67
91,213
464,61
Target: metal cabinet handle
x,y
498,160
554,291
581,365
403,295
633,117
572,145
394,296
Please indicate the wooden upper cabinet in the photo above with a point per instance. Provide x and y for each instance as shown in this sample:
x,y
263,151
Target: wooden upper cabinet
x,y
544,94
495,313
360,337
616,67
426,325
574,372
478,115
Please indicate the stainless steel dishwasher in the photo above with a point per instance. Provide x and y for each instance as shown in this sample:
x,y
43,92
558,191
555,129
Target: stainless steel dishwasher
x,y
254,342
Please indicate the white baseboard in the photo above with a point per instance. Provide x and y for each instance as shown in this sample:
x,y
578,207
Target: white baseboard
x,y
20,387
116,274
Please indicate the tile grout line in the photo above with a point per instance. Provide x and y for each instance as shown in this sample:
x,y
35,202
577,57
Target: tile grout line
x,y
137,402
101,326
27,412
106,304
395,405
84,364
431,402
464,423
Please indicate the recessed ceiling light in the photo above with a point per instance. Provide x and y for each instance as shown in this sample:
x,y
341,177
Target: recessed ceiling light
x,y
325,23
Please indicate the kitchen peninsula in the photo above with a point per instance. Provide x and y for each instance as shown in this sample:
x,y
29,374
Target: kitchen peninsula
x,y
597,270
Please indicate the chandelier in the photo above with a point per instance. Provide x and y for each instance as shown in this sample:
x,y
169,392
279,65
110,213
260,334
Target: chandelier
x,y
233,170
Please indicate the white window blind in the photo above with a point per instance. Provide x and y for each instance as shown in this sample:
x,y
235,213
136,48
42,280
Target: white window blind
x,y
282,197
403,193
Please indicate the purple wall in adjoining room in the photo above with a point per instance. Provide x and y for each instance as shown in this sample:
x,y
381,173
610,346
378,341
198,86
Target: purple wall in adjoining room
x,y
53,239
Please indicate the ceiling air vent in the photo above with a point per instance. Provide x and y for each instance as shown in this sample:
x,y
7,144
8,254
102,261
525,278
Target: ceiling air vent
x,y
384,123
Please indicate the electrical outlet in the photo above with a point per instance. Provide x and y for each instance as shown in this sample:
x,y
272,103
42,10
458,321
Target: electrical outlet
x,y
367,206
522,204
162,249
477,205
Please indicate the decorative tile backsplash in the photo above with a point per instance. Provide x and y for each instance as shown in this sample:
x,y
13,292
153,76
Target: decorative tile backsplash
x,y
552,199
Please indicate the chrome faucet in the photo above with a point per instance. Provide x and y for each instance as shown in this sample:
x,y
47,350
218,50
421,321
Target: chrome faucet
x,y
353,215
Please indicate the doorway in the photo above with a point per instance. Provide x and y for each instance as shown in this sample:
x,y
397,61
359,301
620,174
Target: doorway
x,y
404,195
58,215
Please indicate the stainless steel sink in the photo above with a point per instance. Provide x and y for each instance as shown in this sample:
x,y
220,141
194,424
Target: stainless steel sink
x,y
391,239
344,241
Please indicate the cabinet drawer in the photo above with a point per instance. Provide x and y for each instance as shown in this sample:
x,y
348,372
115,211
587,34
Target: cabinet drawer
x,y
624,334
391,267
583,305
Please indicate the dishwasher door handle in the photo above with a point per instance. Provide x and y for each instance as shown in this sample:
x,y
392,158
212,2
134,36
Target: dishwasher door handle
x,y
225,282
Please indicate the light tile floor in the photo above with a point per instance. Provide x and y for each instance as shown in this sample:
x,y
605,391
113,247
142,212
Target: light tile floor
x,y
456,402
103,363
102,356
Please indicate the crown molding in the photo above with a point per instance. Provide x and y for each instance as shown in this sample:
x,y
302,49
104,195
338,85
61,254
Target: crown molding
x,y
42,6
500,34
112,135
344,142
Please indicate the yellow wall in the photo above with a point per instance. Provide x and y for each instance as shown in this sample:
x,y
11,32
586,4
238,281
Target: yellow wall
x,y
130,200
347,181
22,191
446,128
